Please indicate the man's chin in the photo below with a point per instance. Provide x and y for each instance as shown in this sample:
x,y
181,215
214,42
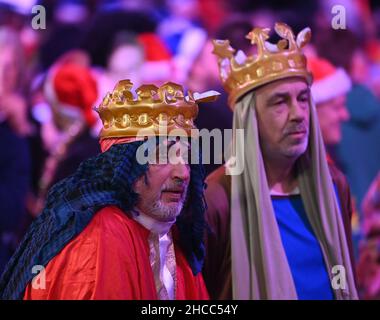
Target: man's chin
x,y
296,151
171,209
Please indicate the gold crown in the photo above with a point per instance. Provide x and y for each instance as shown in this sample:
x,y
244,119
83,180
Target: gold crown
x,y
241,74
156,110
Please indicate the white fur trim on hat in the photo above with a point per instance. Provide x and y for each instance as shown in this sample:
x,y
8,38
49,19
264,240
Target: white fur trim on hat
x,y
336,84
61,108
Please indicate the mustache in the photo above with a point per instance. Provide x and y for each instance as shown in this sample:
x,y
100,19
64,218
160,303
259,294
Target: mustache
x,y
299,127
176,185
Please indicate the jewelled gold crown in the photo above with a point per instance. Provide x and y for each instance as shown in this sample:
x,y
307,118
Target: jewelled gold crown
x,y
157,110
241,74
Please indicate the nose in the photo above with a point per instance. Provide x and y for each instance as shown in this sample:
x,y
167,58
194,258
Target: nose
x,y
298,112
181,171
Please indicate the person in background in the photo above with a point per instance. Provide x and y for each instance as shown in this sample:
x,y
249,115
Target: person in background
x,y
71,91
357,153
329,90
14,156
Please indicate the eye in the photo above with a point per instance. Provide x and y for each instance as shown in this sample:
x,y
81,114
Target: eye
x,y
278,102
304,98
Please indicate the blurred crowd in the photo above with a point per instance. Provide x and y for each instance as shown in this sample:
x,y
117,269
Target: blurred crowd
x,y
52,77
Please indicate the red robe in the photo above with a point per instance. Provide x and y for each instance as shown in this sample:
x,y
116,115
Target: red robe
x,y
109,259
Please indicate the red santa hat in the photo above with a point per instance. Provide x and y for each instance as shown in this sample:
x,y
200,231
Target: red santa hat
x,y
328,81
73,91
159,66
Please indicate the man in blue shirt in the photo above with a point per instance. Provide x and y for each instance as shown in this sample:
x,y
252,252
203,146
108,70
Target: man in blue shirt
x,y
280,228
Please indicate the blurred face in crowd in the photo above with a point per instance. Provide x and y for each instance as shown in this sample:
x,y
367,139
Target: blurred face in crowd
x,y
163,192
331,115
126,61
283,114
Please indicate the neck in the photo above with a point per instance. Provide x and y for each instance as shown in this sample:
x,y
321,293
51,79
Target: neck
x,y
159,227
281,175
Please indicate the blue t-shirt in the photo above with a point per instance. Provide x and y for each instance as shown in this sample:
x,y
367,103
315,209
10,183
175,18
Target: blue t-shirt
x,y
302,249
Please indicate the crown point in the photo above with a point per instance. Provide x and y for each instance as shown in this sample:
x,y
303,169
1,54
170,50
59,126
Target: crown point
x,y
258,35
272,61
190,96
173,88
124,84
285,32
146,92
153,108
303,37
223,49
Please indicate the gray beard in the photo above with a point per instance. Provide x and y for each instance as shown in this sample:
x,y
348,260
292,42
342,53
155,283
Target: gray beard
x,y
160,211
164,212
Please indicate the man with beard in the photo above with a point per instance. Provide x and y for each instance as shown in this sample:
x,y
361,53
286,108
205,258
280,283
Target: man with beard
x,y
122,228
281,228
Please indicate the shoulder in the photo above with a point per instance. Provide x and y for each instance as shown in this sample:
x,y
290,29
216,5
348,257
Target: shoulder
x,y
218,187
218,182
109,227
217,194
113,223
109,215
344,194
110,230
339,179
84,264
219,177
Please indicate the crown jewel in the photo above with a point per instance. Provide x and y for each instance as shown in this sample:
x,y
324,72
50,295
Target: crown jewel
x,y
154,109
241,74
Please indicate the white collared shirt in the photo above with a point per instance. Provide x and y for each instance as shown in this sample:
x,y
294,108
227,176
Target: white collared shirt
x,y
295,191
160,232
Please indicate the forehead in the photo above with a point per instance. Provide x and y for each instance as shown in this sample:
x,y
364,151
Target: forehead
x,y
171,139
284,86
171,147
